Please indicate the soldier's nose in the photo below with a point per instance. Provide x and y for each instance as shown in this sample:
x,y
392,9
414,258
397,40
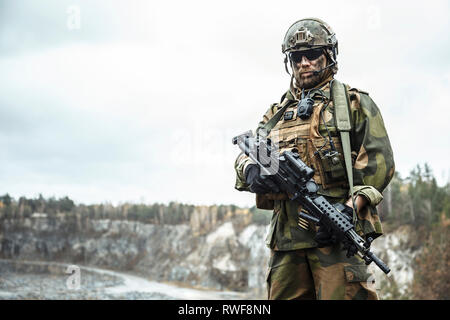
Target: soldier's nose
x,y
305,61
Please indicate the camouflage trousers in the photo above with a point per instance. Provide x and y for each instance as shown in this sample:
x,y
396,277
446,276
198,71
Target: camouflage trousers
x,y
318,274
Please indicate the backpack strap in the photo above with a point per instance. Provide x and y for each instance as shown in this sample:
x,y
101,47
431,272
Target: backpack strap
x,y
343,124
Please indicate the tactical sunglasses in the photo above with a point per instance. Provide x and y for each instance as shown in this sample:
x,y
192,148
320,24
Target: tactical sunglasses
x,y
311,55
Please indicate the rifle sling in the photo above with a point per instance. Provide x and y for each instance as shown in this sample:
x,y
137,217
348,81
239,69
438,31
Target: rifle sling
x,y
343,124
277,116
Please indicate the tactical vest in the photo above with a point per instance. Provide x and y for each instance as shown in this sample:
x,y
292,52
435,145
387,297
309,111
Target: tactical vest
x,y
311,140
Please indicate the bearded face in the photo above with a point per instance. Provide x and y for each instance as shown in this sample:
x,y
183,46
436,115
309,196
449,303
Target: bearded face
x,y
303,63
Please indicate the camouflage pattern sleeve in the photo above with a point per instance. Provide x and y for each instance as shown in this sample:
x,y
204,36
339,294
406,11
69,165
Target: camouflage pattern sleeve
x,y
372,154
373,166
243,161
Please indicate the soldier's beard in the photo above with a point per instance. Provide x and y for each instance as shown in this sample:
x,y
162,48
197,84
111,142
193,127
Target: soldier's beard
x,y
311,80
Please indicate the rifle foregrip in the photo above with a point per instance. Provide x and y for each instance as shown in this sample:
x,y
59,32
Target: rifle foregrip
x,y
379,262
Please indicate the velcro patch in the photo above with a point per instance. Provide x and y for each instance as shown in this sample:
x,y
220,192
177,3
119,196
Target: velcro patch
x,y
288,115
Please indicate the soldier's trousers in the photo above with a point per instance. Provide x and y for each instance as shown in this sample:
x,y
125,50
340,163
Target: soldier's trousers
x,y
318,273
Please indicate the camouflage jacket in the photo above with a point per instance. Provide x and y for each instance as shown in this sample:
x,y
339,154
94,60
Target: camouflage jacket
x,y
372,159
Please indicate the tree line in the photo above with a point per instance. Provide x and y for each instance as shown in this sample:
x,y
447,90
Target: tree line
x,y
416,200
157,213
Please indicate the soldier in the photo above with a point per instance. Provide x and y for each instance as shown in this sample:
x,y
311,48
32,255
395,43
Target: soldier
x,y
306,262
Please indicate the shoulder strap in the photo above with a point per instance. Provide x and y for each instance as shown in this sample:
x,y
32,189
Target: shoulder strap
x,y
343,123
269,125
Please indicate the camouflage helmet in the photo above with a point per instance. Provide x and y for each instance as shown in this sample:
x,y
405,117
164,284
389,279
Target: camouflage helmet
x,y
310,33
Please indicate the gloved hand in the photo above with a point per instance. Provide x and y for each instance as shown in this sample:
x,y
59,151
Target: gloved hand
x,y
324,237
350,247
258,183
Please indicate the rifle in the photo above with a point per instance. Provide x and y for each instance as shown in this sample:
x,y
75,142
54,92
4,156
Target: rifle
x,y
294,178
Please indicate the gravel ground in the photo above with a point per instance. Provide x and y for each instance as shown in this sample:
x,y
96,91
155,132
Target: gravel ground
x,y
36,280
40,286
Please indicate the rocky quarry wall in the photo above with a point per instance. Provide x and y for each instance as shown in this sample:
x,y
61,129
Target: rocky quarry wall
x,y
227,256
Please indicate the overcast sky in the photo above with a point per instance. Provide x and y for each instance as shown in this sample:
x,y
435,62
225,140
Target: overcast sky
x,y
138,100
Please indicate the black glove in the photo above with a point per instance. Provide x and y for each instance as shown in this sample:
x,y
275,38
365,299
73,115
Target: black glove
x,y
350,247
258,183
325,237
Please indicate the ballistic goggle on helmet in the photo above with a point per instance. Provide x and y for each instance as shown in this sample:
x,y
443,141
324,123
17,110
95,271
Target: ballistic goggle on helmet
x,y
307,34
